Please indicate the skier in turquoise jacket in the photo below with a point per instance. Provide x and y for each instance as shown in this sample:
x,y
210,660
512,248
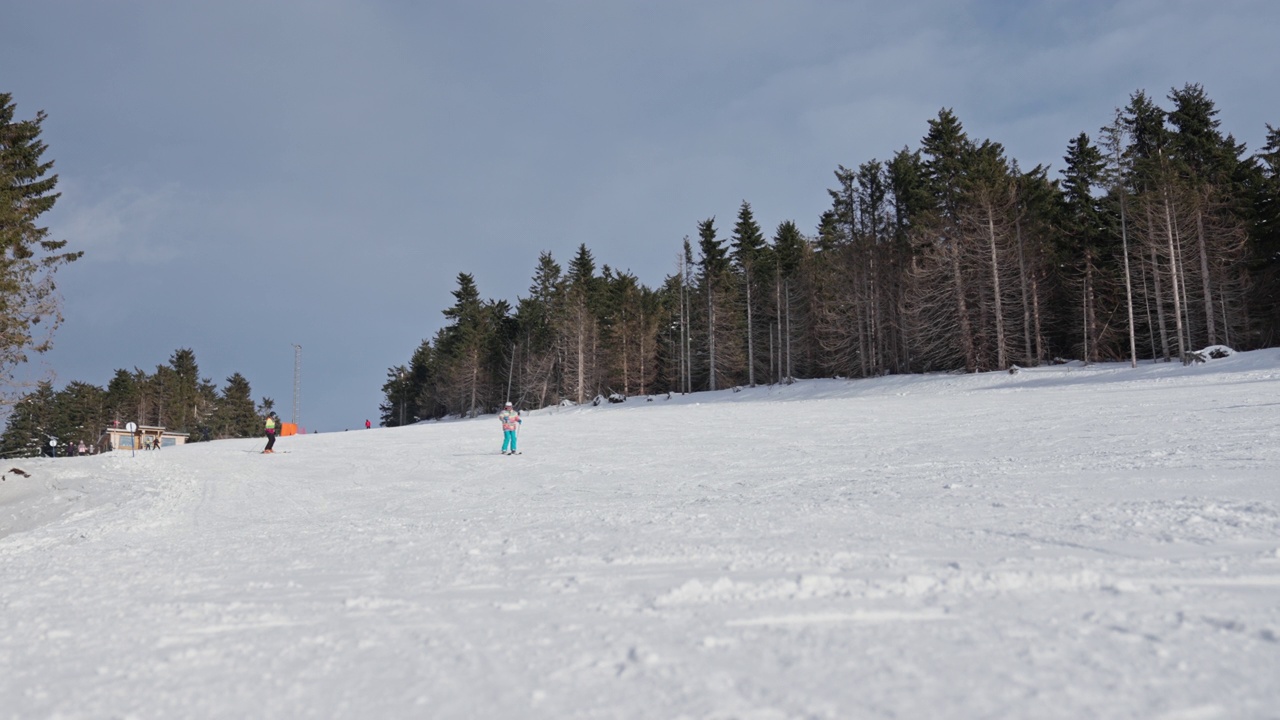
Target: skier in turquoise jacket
x,y
510,422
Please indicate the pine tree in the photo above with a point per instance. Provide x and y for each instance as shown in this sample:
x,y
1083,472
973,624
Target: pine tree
x,y
163,387
466,348
880,275
840,279
790,249
684,282
189,398
1213,172
423,402
234,415
988,248
1036,225
398,390
1265,238
714,264
30,424
628,330
945,333
535,318
911,204
122,399
1115,176
28,257
580,328
748,247
79,413
1081,176
1158,222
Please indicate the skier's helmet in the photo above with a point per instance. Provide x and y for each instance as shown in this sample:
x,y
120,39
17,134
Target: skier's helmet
x,y
508,404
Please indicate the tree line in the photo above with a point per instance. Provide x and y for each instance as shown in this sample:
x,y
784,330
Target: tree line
x,y
1158,236
174,397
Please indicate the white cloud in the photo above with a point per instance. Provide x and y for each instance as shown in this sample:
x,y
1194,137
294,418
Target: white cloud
x,y
123,224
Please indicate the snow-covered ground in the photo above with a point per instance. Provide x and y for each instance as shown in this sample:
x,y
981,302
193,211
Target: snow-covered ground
x,y
1066,542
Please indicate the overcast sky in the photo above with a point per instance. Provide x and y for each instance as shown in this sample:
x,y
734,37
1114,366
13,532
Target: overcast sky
x,y
244,176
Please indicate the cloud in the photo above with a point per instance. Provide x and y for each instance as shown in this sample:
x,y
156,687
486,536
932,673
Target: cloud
x,y
129,224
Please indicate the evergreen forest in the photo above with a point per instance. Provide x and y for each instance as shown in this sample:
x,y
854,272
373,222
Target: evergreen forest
x,y
174,397
1158,237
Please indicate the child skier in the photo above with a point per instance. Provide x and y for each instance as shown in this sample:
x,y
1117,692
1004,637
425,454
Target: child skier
x,y
510,422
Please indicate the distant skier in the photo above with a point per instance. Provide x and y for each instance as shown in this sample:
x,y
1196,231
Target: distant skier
x,y
273,425
510,422
367,424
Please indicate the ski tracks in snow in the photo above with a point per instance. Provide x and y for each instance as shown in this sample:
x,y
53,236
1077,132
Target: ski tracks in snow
x,y
1039,545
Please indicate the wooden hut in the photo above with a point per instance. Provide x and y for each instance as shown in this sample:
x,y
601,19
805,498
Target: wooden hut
x,y
145,437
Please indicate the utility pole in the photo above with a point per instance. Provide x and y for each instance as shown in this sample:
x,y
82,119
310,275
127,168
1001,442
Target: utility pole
x,y
297,379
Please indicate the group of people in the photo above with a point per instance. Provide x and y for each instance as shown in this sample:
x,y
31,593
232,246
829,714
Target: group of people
x,y
509,416
71,449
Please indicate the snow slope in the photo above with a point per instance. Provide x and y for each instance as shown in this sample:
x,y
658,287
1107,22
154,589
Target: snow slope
x,y
1065,542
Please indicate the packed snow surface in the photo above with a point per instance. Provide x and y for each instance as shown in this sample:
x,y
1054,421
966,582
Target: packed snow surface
x,y
1063,542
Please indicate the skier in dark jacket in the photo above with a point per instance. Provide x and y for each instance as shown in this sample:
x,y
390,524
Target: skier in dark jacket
x,y
272,429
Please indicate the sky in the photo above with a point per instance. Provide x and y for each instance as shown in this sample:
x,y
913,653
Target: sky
x,y
247,177
1065,542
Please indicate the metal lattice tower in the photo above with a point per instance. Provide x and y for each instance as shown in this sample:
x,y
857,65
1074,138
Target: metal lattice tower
x,y
297,379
